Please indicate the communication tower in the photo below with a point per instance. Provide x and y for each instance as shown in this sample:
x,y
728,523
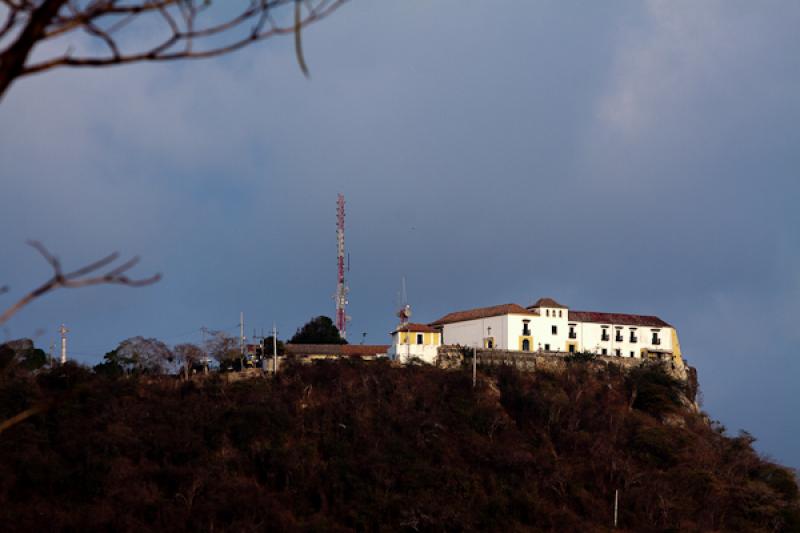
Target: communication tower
x,y
341,287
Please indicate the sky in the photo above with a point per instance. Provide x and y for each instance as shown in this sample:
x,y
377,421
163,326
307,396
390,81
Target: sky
x,y
633,156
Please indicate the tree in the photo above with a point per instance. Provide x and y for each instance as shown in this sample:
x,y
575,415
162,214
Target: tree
x,y
280,348
319,330
178,29
225,349
188,356
112,366
23,354
137,355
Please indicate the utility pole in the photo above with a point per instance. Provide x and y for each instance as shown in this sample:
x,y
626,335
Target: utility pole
x,y
261,339
474,367
274,350
241,332
203,331
63,331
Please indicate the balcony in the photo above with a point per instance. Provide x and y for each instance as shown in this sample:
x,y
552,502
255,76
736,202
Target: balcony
x,y
605,337
573,335
619,338
656,342
526,332
634,339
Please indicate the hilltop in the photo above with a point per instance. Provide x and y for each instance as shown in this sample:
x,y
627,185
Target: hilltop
x,y
349,445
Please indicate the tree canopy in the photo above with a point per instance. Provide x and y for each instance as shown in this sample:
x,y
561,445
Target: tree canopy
x,y
137,355
22,353
356,446
318,330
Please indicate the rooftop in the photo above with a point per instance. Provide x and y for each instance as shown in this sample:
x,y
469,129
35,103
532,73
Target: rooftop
x,y
348,350
417,328
482,312
547,302
617,318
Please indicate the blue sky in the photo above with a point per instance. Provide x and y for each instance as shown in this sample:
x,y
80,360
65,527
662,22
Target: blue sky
x,y
632,157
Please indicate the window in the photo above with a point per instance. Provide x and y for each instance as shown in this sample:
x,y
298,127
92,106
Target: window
x,y
526,345
631,354
554,330
547,312
604,336
525,330
419,338
633,338
604,351
656,340
619,352
618,337
546,347
559,314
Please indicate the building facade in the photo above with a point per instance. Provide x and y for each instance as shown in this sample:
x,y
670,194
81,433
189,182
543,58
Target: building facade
x,y
549,326
410,341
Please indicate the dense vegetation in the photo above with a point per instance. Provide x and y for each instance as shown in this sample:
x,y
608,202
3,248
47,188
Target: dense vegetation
x,y
368,446
318,330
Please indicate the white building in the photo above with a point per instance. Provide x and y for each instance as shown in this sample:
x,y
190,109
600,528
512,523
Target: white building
x,y
549,326
411,341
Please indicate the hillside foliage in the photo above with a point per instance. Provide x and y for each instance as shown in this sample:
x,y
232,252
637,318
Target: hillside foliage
x,y
342,446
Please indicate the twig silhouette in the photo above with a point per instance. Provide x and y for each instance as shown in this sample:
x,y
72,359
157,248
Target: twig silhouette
x,y
78,278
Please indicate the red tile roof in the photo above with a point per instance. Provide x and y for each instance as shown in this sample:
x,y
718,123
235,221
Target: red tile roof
x,y
547,302
350,350
618,319
422,328
482,312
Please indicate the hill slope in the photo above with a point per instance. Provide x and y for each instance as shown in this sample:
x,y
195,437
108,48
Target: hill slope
x,y
354,446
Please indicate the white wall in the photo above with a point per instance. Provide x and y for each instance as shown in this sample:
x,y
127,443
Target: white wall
x,y
590,338
541,330
472,332
404,351
507,329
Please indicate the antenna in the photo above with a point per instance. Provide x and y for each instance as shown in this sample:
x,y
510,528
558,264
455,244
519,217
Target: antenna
x,y
63,330
405,310
341,287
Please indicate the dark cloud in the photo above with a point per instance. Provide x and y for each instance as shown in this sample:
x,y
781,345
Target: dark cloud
x,y
641,159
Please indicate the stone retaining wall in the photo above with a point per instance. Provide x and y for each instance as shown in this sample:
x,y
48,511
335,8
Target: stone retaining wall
x,y
453,356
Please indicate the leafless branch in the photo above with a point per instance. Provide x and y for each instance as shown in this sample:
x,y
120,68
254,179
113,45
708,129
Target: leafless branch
x,y
78,278
190,29
24,415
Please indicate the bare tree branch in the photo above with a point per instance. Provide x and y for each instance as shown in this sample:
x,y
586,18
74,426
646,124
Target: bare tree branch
x,y
24,415
191,30
76,278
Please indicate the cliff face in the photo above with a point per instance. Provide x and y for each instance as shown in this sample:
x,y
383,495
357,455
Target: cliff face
x,y
369,446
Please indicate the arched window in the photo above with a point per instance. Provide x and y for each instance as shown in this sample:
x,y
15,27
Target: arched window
x,y
526,345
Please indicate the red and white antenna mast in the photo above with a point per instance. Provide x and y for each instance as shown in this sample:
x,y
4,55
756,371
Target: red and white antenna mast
x,y
341,288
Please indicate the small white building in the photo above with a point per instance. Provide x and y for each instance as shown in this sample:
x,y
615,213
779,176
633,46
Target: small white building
x,y
411,341
549,326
